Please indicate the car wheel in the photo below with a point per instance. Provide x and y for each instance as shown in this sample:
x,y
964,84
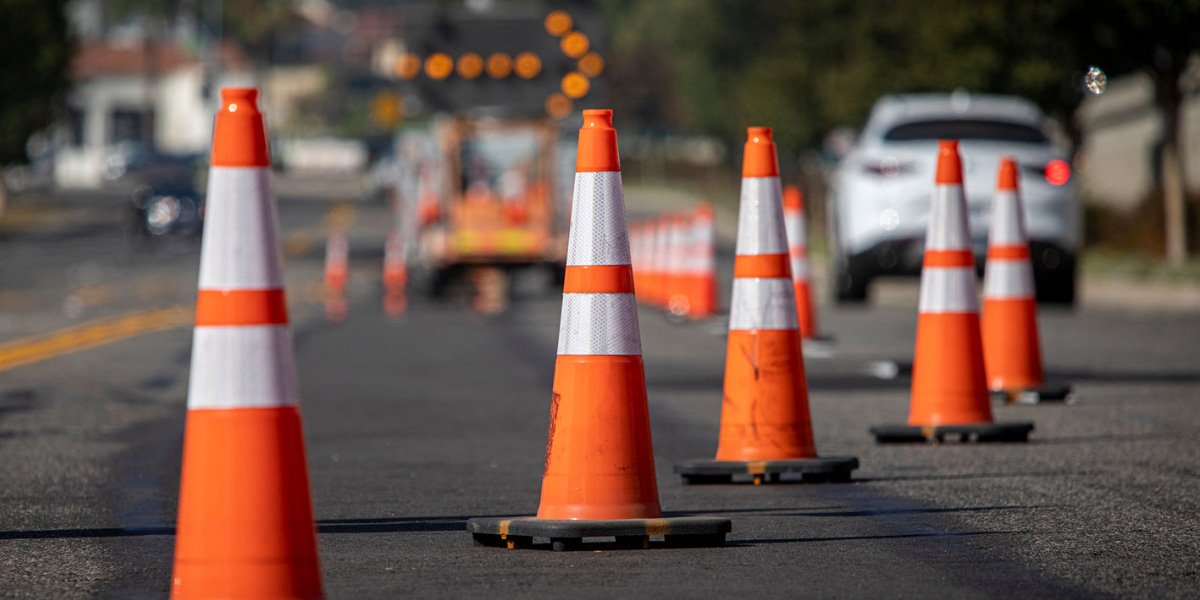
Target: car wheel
x,y
851,284
1054,276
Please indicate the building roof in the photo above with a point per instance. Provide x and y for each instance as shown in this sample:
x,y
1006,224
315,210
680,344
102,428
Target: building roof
x,y
95,59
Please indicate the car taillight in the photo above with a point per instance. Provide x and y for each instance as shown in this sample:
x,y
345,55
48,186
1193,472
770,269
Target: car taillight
x,y
1058,172
887,167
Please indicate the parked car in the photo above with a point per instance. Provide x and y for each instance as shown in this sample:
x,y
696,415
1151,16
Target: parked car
x,y
882,188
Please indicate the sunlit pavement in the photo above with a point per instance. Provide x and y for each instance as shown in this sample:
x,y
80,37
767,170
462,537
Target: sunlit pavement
x,y
417,424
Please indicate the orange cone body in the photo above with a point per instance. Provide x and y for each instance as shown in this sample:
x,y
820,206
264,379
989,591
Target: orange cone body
x,y
599,456
699,278
765,414
245,527
795,223
1011,351
948,386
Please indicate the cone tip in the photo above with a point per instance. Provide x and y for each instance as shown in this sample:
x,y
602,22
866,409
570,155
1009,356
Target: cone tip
x,y
597,143
234,99
239,139
598,118
949,166
760,159
793,198
755,133
1007,178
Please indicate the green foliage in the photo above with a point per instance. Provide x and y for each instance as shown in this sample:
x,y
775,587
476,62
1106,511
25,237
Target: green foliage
x,y
805,67
35,54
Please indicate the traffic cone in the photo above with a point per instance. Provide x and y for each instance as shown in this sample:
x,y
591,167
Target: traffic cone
x,y
699,278
337,273
1012,356
599,471
766,429
677,299
641,260
949,389
795,223
395,274
245,527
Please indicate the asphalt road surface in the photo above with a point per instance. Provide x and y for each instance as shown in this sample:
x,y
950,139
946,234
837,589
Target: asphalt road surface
x,y
415,425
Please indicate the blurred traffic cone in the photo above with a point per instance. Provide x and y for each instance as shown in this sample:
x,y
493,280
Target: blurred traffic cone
x,y
599,471
429,207
949,389
337,272
662,245
699,277
796,224
766,429
395,274
1011,351
678,303
245,526
641,261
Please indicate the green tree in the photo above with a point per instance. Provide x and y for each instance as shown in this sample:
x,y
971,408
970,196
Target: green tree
x,y
35,53
806,67
1156,37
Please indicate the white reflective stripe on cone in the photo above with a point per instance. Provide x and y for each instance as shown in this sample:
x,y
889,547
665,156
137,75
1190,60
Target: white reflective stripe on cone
x,y
1008,279
1008,226
948,290
240,249
247,366
793,221
599,234
337,251
799,269
760,217
948,220
761,303
599,324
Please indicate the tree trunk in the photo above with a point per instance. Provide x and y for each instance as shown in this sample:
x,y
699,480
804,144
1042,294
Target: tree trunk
x,y
3,194
1171,170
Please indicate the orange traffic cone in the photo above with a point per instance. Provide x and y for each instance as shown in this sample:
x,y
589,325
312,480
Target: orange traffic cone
x,y
337,272
949,390
395,274
766,429
797,235
1011,352
599,474
678,304
661,262
245,526
699,277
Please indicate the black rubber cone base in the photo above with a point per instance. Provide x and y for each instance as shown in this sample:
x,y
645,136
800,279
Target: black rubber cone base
x,y
811,470
937,434
522,532
1050,392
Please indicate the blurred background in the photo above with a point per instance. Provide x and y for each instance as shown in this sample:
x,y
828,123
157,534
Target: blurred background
x,y
117,96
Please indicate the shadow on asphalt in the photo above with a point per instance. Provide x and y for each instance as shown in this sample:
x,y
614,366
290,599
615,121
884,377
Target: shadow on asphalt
x,y
380,525
971,476
907,511
852,538
1109,375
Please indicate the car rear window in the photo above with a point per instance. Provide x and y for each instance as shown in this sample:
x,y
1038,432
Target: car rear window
x,y
965,129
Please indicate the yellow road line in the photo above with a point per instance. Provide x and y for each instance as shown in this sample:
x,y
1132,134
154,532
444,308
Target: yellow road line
x,y
90,335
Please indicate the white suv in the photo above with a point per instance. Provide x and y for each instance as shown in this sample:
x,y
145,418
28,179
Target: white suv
x,y
882,187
